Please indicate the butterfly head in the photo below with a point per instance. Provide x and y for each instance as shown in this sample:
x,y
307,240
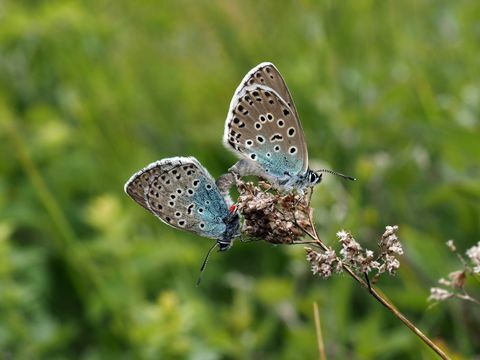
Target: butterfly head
x,y
313,178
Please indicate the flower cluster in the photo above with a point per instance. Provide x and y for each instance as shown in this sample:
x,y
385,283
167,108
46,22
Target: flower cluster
x,y
439,294
284,218
454,286
354,255
271,216
324,264
390,248
474,254
363,261
456,281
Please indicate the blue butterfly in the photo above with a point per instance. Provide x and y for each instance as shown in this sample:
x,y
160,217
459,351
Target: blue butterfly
x,y
264,130
182,194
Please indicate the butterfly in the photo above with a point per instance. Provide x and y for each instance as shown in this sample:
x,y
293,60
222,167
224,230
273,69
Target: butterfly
x,y
264,130
181,193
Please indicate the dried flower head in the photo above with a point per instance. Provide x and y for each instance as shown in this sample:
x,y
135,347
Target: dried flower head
x,y
474,254
390,242
457,279
439,294
324,264
392,264
272,216
360,260
451,245
368,262
390,248
350,247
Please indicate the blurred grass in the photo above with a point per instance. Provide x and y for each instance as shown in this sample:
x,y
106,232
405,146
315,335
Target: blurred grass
x,y
92,91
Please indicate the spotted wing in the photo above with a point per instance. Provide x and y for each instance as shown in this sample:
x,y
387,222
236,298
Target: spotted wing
x,y
261,127
182,194
268,75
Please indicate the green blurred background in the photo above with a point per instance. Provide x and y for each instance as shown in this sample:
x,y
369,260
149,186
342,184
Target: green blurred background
x,y
91,91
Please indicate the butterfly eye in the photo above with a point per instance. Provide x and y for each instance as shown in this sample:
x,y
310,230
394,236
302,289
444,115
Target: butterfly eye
x,y
313,177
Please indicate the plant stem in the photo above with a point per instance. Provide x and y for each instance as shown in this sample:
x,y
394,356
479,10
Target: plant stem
x,y
467,297
321,346
378,297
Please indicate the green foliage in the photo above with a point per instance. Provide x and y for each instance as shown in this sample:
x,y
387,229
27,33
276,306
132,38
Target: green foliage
x,y
91,91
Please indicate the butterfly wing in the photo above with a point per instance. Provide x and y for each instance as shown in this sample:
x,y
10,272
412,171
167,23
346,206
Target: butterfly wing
x,y
261,127
268,75
182,194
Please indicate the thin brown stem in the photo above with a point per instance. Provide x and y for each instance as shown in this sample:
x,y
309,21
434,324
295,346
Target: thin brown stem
x,y
380,298
467,297
318,329
304,243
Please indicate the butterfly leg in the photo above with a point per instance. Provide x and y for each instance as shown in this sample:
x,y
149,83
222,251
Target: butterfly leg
x,y
247,240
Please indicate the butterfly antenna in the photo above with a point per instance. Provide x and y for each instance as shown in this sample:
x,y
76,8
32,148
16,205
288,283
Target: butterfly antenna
x,y
335,173
204,264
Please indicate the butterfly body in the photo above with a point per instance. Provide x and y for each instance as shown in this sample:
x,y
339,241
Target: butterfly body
x,y
264,130
284,181
181,193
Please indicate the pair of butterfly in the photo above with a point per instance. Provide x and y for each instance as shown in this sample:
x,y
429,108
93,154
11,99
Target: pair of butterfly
x,y
264,130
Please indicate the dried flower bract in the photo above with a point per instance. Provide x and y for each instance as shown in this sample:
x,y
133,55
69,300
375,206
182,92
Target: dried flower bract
x,y
324,264
271,216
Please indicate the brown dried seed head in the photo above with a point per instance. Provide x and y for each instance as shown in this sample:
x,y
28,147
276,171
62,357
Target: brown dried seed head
x,y
271,216
457,278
